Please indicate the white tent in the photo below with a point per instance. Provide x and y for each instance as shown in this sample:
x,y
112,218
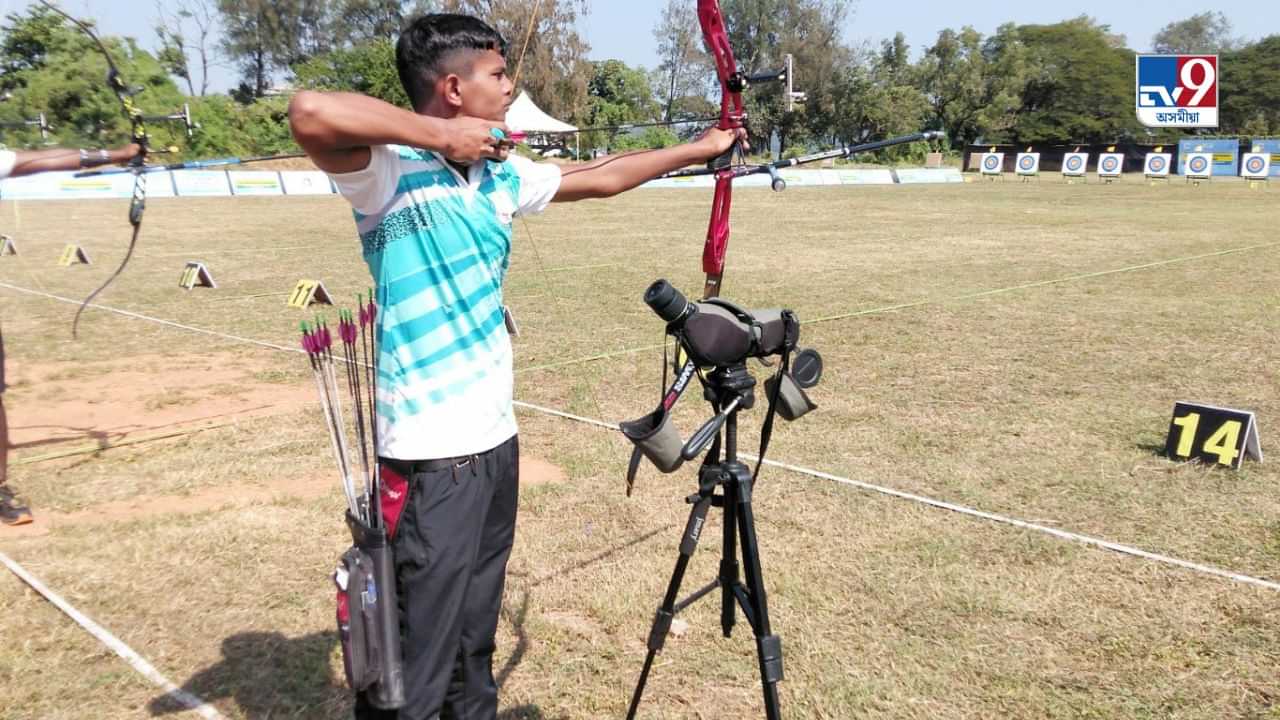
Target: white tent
x,y
523,116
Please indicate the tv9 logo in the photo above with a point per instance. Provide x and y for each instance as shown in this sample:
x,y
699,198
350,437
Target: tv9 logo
x,y
1178,91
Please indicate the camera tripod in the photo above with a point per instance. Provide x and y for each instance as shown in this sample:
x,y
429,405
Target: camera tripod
x,y
729,389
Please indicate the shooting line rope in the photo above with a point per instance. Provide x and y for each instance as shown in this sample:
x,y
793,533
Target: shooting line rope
x,y
188,700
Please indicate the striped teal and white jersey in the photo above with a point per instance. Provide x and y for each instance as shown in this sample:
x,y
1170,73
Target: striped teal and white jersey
x,y
438,246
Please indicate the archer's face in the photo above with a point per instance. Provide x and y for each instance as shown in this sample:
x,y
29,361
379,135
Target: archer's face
x,y
487,92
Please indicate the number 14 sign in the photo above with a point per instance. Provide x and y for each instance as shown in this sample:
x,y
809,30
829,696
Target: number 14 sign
x,y
1214,434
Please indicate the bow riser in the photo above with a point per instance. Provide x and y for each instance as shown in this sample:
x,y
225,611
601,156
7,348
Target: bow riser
x,y
733,117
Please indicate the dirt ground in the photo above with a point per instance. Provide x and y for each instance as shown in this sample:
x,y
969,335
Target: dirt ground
x,y
63,409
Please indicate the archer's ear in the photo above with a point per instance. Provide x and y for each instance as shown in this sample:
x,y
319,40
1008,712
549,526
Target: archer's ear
x,y
449,88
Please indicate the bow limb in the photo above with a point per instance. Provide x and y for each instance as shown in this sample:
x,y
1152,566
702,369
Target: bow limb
x,y
138,134
733,117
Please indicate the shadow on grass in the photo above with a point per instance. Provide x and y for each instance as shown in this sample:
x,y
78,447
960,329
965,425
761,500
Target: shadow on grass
x,y
270,676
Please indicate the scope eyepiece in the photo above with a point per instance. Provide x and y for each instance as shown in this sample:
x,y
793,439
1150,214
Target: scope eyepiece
x,y
666,301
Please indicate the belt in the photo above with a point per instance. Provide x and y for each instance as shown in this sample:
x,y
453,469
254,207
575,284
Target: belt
x,y
407,468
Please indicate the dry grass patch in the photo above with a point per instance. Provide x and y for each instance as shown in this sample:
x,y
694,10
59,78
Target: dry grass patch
x,y
1047,403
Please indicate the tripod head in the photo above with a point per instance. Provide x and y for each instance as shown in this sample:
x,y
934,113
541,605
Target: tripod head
x,y
719,337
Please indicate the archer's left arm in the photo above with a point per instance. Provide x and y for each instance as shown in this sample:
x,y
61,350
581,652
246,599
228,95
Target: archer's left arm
x,y
611,176
30,162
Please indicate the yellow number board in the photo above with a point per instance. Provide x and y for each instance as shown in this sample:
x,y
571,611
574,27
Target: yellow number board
x,y
1213,434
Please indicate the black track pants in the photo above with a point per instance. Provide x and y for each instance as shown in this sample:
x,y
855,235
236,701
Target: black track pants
x,y
451,550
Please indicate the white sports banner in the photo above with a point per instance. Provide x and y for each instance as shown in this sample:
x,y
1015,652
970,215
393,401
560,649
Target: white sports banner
x,y
865,177
202,183
913,176
256,183
306,183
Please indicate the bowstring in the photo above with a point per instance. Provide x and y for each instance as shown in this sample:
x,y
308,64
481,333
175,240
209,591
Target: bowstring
x,y
524,222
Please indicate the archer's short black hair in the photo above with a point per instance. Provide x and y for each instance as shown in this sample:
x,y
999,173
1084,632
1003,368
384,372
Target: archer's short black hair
x,y
427,44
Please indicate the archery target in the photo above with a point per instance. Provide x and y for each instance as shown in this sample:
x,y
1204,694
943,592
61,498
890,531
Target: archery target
x,y
1256,166
1028,163
992,163
1110,165
1199,165
1157,164
1075,164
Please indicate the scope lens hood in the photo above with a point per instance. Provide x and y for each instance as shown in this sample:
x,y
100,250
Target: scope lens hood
x,y
657,438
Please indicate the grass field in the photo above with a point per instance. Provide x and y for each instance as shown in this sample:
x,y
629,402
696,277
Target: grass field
x,y
955,370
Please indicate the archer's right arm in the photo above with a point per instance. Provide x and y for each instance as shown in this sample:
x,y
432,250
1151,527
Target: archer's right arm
x,y
336,130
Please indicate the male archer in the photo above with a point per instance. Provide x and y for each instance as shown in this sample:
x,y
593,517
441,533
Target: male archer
x,y
14,163
434,193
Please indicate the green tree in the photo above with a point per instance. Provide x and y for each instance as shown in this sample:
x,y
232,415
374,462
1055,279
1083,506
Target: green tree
x,y
874,98
1249,89
359,21
618,95
975,87
685,74
554,69
1207,33
53,67
1083,91
368,68
763,33
267,37
186,31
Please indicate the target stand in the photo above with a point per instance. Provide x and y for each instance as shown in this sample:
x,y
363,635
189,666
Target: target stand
x,y
1028,166
1110,167
1075,166
1256,168
993,166
1156,167
1199,168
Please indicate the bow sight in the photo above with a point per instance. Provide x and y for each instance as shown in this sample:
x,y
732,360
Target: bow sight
x,y
719,337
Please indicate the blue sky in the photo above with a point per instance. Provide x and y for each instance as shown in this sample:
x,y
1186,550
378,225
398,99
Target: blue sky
x,y
623,28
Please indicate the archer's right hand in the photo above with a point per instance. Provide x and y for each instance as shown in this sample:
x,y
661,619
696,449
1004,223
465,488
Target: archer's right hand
x,y
471,139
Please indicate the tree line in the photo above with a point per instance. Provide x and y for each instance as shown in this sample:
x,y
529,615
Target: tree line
x,y
1067,82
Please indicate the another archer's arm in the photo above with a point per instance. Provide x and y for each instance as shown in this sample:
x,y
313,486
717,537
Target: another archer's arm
x,y
336,129
609,176
30,162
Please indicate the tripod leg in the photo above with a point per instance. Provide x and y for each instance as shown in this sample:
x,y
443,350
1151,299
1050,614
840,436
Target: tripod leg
x,y
768,645
667,611
729,572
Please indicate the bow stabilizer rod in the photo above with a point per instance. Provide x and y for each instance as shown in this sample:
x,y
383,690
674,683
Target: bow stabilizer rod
x,y
189,165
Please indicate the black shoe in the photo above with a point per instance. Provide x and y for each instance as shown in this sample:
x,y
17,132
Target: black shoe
x,y
11,511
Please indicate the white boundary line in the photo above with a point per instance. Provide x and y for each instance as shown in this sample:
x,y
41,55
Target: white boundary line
x,y
971,512
924,500
139,663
